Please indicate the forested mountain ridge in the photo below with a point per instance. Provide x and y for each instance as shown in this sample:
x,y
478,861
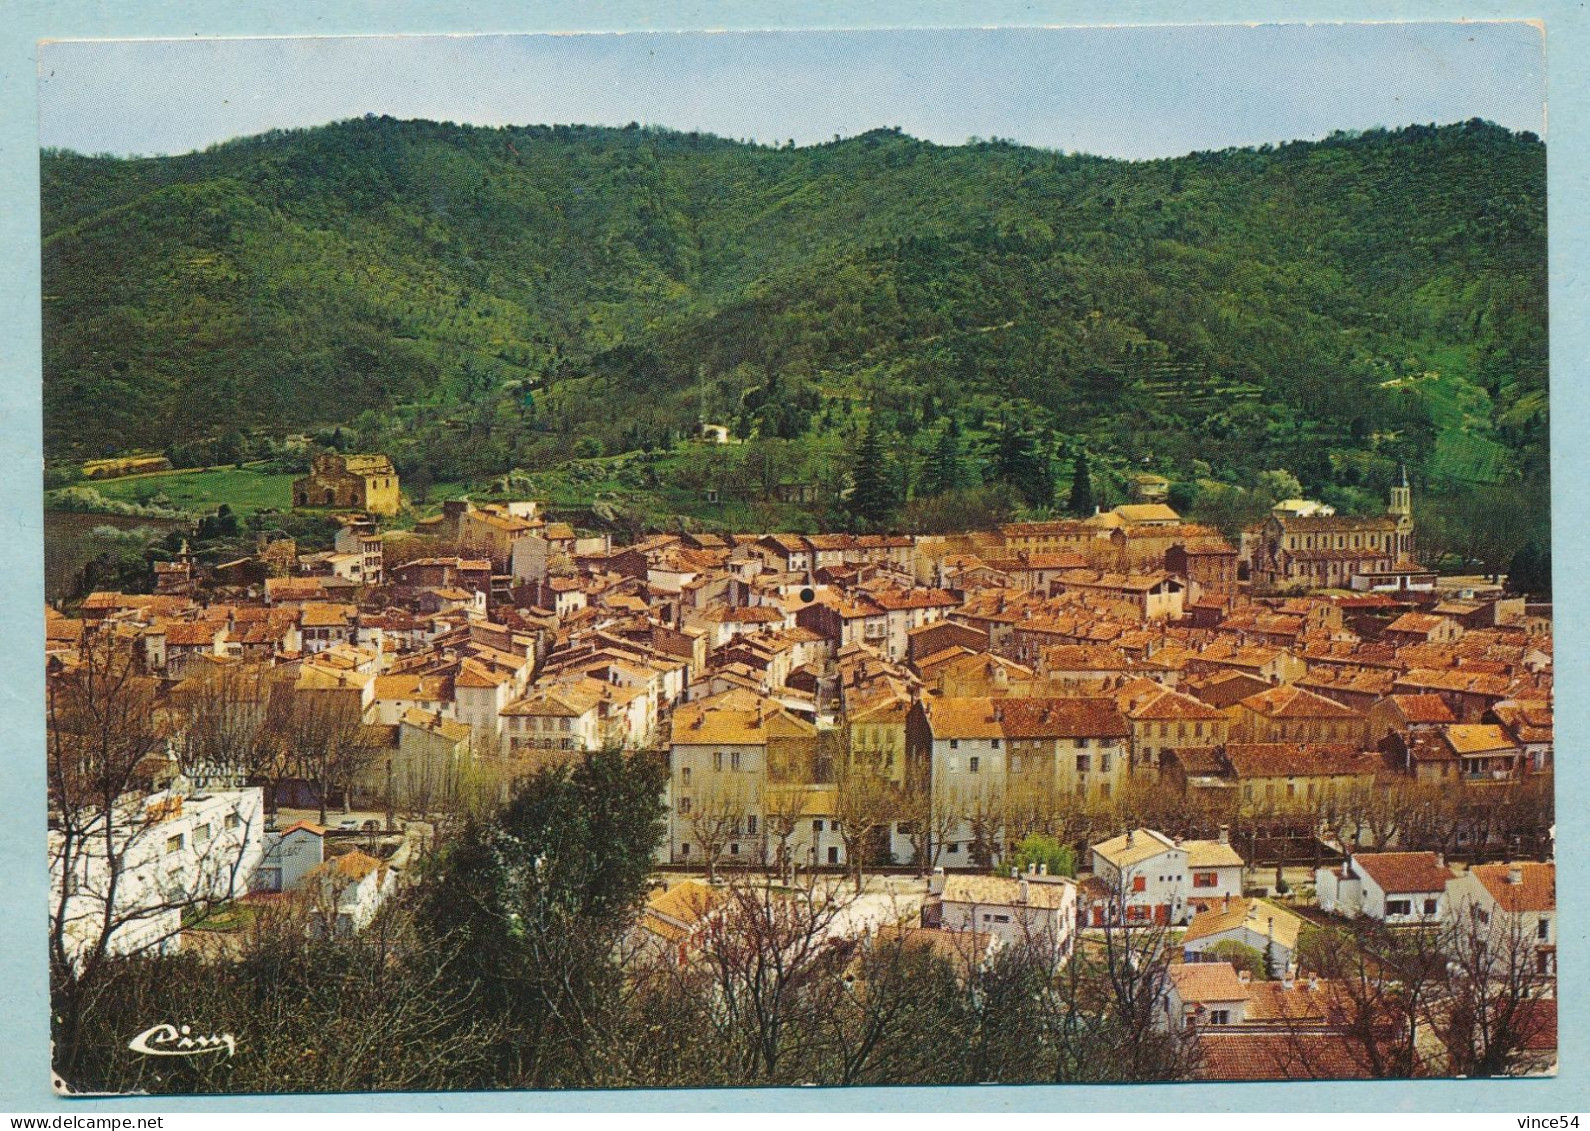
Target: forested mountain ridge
x,y
1327,308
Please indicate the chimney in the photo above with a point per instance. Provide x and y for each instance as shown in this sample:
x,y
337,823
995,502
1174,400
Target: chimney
x,y
1289,977
1313,983
1440,860
1043,869
1128,838
1515,874
1225,834
1226,902
1021,896
936,884
1244,976
1032,869
1015,873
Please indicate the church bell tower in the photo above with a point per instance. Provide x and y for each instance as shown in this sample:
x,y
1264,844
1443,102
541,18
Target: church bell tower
x,y
1401,509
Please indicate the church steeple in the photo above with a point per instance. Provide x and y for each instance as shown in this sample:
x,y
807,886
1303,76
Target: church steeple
x,y
1401,494
1401,509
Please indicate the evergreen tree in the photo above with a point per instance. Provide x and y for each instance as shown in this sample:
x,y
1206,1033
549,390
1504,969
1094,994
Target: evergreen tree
x,y
1018,462
529,902
1082,501
1530,571
873,499
943,473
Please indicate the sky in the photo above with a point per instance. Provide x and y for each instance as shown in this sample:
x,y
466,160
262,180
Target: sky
x,y
1136,92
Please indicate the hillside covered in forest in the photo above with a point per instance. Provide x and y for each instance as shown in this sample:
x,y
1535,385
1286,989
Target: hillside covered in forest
x,y
473,300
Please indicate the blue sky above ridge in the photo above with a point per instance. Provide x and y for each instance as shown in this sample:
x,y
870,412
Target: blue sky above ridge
x,y
1133,92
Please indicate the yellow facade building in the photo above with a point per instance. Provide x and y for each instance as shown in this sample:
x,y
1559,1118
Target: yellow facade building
x,y
366,483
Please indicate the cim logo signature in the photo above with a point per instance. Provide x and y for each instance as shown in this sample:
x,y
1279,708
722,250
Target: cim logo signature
x,y
169,1040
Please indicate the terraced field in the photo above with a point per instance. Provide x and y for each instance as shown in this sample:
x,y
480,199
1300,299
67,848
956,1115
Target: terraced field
x,y
1466,447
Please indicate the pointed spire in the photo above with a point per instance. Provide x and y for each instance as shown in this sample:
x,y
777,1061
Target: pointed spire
x,y
1402,474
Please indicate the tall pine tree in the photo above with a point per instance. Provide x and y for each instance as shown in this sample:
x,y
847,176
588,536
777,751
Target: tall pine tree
x,y
943,472
873,499
1019,462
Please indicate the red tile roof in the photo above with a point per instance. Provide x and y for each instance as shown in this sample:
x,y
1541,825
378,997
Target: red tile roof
x,y
1401,873
1295,703
1049,718
1279,1056
1207,981
1423,708
1536,891
1293,759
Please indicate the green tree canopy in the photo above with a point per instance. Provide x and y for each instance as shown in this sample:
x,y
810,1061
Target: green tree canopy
x,y
1059,859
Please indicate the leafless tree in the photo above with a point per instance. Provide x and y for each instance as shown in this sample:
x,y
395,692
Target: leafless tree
x,y
783,809
1523,814
982,807
1154,805
765,955
1032,799
924,815
310,1013
330,743
112,891
1379,811
1121,974
451,784
866,801
872,1015
1488,1010
717,814
1380,981
228,722
1434,817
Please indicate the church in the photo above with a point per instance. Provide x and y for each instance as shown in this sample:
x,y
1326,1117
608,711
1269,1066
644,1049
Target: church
x,y
1311,548
361,483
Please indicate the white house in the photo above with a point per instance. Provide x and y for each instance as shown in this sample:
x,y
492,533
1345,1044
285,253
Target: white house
x,y
1214,871
168,852
1204,995
362,540
346,891
534,554
396,695
905,610
480,692
1516,902
1035,909
965,740
720,749
1272,931
1395,888
289,856
557,718
1141,875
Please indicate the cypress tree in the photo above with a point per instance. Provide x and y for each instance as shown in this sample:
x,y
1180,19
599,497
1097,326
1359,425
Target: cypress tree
x,y
1081,502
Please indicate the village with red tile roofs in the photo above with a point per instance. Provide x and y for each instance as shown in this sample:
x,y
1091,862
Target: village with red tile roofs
x,y
1294,795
